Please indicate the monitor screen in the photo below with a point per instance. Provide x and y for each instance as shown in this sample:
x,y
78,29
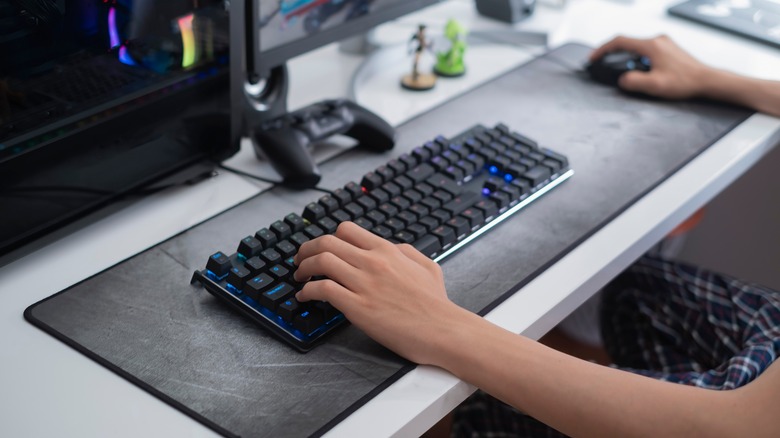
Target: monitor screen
x,y
67,65
99,98
291,27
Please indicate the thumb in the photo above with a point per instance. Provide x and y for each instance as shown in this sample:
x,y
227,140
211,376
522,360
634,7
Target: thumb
x,y
638,81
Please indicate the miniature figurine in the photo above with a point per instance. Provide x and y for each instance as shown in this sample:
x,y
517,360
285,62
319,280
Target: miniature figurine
x,y
450,63
415,80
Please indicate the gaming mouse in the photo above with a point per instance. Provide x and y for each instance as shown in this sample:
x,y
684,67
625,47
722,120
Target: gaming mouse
x,y
608,69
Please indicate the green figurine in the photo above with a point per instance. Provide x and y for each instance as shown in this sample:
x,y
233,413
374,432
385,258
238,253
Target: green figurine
x,y
450,63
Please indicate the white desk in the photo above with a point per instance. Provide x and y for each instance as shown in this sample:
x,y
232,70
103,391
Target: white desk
x,y
48,389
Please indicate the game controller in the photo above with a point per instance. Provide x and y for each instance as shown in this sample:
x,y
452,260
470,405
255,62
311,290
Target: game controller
x,y
285,140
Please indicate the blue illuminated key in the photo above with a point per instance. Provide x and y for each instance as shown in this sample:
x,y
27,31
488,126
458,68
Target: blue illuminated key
x,y
276,295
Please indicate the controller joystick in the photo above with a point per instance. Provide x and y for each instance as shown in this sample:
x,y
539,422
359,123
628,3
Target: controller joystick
x,y
285,140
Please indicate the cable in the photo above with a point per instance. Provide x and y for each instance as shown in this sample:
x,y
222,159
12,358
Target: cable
x,y
21,191
266,180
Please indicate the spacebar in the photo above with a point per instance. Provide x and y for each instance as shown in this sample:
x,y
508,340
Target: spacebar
x,y
427,245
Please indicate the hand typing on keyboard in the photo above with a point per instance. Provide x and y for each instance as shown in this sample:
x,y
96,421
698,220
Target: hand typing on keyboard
x,y
391,291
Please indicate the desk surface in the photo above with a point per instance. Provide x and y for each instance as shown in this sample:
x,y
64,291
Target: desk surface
x,y
50,389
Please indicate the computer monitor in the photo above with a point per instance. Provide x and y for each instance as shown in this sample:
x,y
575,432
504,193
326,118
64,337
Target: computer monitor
x,y
275,31
99,98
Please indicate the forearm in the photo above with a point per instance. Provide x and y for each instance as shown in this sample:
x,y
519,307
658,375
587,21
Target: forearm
x,y
758,94
577,397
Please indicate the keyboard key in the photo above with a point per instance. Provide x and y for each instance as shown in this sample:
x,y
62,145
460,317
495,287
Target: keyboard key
x,y
328,225
281,229
404,183
271,256
395,225
536,176
564,162
428,245
500,198
431,202
255,265
523,185
340,216
389,210
288,309
488,208
420,173
308,321
313,212
382,231
238,276
413,196
367,203
442,196
421,154
376,216
408,160
386,172
400,202
285,248
429,222
475,216
371,181
297,239
266,237
417,230
460,225
249,247
445,234
313,231
407,217
219,264
441,215
461,203
439,181
257,285
364,223
398,166
295,222
380,196
404,237
391,188
278,271
354,189
327,310
329,203
342,196
419,210
271,298
424,189
354,210
524,140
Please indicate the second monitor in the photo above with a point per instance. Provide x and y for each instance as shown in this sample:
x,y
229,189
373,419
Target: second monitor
x,y
276,31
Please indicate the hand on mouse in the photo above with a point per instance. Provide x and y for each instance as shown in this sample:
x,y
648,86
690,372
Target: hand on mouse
x,y
392,292
674,75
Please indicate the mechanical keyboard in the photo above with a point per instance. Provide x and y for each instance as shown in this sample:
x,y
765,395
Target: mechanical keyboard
x,y
437,198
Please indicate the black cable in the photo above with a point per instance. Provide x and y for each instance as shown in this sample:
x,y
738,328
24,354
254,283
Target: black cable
x,y
266,180
21,191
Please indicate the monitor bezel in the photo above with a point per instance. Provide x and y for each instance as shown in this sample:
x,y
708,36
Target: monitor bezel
x,y
264,61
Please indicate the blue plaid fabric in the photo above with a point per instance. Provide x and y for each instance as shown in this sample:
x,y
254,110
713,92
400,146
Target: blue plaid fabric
x,y
669,321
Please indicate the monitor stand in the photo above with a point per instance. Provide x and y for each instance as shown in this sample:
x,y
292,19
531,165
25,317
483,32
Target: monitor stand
x,y
285,138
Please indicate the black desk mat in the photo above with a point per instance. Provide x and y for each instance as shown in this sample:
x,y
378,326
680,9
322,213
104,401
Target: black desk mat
x,y
143,320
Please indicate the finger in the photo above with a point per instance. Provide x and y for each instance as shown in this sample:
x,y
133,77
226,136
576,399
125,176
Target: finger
x,y
332,244
412,253
642,47
637,81
328,290
358,236
329,265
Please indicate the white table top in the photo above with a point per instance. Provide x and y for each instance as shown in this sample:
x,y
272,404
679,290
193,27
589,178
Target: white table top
x,y
49,389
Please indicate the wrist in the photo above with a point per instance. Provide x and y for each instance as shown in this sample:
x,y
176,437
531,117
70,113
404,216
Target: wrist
x,y
711,83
